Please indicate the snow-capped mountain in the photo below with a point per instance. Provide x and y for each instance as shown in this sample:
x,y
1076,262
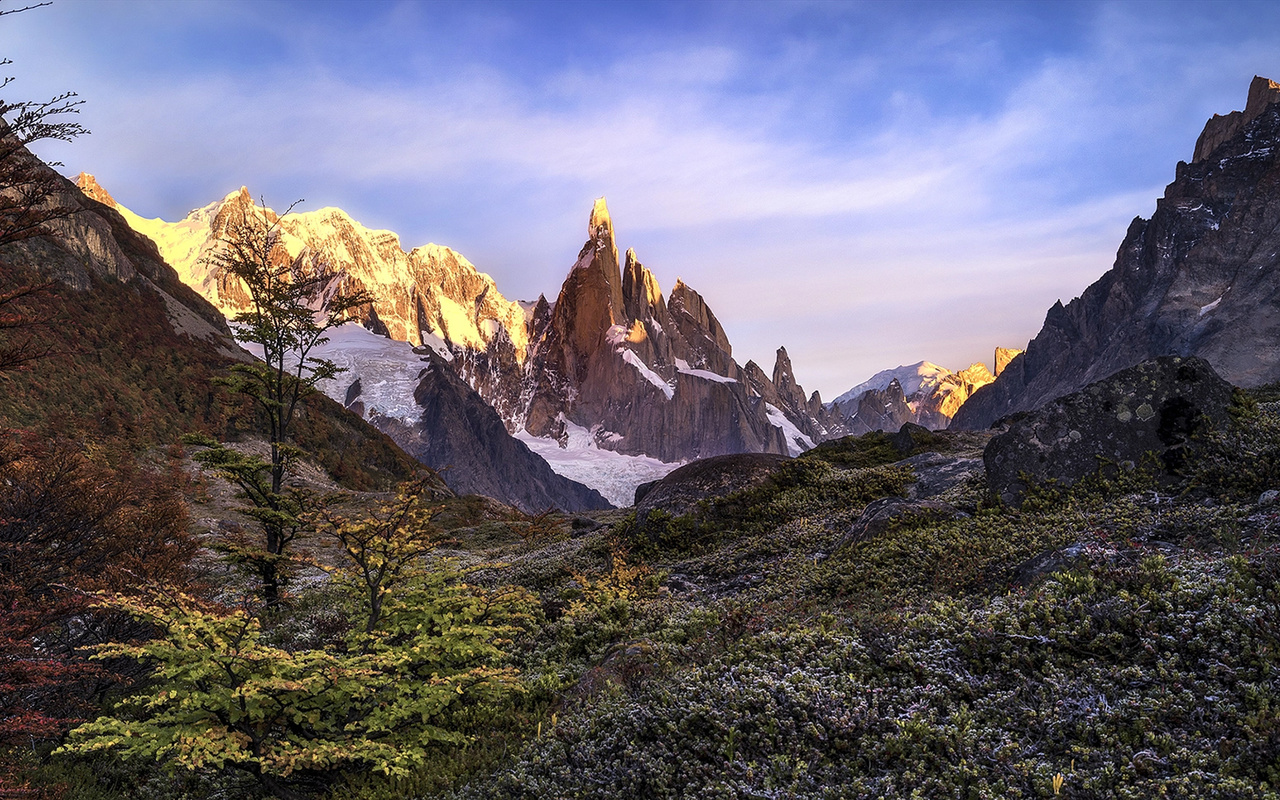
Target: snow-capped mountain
x,y
612,366
429,295
923,393
653,375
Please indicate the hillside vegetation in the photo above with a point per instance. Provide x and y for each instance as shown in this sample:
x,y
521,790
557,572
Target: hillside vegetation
x,y
131,380
1117,639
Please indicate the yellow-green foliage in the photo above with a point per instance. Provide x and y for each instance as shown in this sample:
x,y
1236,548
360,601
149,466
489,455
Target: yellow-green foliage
x,y
222,697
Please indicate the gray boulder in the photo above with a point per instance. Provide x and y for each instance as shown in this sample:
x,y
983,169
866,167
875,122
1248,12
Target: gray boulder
x,y
1158,407
681,491
938,473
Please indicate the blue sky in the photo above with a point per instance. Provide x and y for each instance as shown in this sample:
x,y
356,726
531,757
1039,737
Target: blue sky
x,y
867,183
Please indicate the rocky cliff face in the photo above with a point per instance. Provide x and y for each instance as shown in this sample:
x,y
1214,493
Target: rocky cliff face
x,y
653,375
96,242
1199,278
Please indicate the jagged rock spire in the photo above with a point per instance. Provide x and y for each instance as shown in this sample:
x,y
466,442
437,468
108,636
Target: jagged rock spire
x,y
92,189
1262,93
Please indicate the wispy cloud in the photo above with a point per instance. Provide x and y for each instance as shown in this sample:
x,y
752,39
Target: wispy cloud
x,y
866,188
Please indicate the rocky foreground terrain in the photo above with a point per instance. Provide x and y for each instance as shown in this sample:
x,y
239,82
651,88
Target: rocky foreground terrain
x,y
868,620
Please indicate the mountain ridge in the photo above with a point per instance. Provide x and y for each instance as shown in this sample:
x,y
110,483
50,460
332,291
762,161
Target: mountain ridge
x,y
653,375
1199,278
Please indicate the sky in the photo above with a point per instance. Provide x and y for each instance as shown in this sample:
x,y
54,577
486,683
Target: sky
x,y
867,183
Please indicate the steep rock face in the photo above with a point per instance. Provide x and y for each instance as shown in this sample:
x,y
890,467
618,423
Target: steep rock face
x,y
1199,278
1262,93
1003,356
460,435
650,375
809,416
96,241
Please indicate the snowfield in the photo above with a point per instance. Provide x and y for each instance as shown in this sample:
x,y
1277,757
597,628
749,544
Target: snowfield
x,y
613,475
797,442
389,371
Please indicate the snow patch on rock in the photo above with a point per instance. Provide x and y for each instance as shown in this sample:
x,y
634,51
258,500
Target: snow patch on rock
x,y
648,374
613,475
797,442
706,375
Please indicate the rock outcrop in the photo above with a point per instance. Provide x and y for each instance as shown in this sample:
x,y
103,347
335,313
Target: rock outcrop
x,y
1155,409
879,410
1200,278
1262,93
707,479
462,437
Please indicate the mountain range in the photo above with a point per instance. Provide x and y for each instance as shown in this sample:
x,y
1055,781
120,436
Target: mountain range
x,y
614,366
648,376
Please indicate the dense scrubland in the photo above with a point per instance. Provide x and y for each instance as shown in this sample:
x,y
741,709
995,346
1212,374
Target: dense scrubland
x,y
1114,639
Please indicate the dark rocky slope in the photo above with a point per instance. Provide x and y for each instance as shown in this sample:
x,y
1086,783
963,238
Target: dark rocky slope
x,y
1199,278
461,435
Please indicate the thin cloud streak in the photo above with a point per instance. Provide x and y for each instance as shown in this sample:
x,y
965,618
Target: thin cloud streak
x,y
860,238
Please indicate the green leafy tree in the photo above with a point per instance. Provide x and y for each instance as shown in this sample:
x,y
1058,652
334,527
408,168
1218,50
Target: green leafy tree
x,y
381,700
293,301
383,548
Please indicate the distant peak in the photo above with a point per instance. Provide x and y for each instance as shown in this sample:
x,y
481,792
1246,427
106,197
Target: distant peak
x,y
599,216
241,196
91,188
1262,93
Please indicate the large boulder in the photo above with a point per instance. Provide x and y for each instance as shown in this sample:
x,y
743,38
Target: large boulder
x,y
681,491
1156,408
938,473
